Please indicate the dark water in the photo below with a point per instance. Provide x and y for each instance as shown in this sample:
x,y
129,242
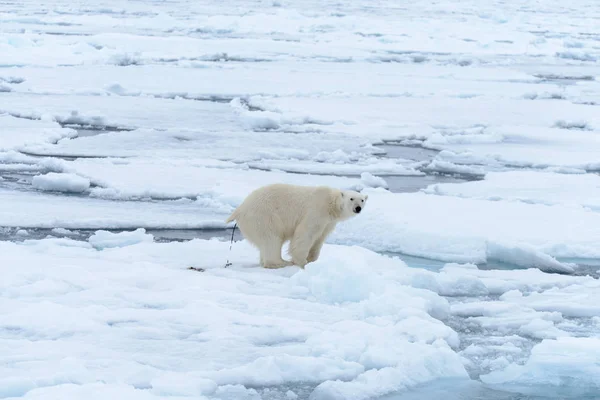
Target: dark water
x,y
413,153
409,184
475,390
160,235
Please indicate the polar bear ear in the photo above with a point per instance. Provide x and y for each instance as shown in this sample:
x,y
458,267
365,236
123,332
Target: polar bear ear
x,y
342,193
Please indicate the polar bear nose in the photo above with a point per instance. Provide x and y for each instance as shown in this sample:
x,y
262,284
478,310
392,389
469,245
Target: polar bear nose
x,y
357,209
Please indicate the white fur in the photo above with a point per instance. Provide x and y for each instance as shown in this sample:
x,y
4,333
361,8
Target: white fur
x,y
305,215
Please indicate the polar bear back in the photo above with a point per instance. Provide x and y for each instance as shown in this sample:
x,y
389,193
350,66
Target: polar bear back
x,y
283,206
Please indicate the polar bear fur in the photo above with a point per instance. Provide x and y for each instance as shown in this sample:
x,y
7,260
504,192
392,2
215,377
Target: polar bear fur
x,y
304,215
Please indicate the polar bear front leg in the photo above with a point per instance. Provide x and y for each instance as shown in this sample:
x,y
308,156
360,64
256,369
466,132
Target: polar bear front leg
x,y
305,236
315,250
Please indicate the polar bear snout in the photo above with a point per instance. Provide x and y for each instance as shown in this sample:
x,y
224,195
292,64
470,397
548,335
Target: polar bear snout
x,y
357,209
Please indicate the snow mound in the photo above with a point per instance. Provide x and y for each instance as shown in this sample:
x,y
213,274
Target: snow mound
x,y
61,182
105,239
565,366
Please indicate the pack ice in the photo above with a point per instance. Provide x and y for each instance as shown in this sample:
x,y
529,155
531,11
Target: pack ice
x,y
129,131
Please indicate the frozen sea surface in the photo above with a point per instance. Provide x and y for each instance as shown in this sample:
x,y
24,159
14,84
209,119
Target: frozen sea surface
x,y
130,130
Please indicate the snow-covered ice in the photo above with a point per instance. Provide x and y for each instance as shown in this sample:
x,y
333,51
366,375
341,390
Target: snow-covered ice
x,y
450,228
534,187
472,273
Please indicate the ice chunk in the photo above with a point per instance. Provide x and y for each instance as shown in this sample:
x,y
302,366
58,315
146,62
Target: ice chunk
x,y
451,168
336,157
62,231
542,329
371,180
61,182
526,256
261,120
105,239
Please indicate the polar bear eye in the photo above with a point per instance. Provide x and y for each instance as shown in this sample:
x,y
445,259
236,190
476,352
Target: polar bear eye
x,y
351,199
362,201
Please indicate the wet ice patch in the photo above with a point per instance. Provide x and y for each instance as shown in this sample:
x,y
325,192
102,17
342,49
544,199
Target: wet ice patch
x,y
561,367
125,59
580,125
60,182
119,90
105,239
577,55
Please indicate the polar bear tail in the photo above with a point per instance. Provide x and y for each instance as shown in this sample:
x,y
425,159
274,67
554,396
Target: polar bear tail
x,y
232,217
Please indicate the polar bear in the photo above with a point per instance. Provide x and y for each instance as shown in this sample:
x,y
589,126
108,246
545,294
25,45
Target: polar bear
x,y
304,215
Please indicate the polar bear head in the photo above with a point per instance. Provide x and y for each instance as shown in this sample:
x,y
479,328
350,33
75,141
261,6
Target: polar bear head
x,y
352,203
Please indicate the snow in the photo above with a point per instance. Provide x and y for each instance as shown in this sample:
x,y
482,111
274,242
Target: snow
x,y
53,182
129,128
125,296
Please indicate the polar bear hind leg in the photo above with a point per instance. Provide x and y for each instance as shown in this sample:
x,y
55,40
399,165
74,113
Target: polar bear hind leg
x,y
269,246
270,253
